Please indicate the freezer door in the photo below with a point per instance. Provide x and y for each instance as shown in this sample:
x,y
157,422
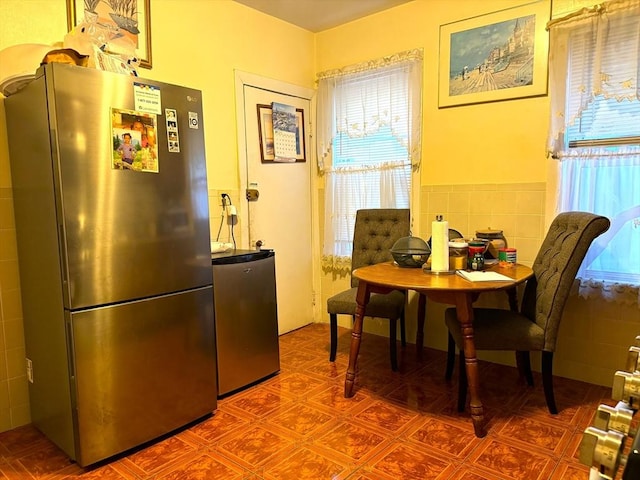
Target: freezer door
x,y
141,369
126,234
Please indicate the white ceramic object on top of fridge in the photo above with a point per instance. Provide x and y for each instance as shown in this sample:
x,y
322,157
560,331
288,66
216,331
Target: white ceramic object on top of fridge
x,y
18,65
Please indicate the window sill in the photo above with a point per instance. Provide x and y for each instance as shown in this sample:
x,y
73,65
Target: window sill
x,y
620,293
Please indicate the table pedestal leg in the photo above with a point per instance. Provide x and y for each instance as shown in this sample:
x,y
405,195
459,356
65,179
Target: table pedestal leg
x,y
465,317
422,313
362,298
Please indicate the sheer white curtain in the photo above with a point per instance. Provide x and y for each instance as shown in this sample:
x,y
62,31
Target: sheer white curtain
x,y
348,190
594,53
594,62
608,183
362,102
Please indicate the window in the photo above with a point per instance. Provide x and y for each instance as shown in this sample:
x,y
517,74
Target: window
x,y
369,123
595,135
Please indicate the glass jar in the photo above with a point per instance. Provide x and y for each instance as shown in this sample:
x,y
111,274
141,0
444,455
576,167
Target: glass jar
x,y
496,241
458,251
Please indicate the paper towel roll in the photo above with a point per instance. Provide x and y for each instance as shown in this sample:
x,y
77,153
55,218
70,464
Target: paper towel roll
x,y
439,245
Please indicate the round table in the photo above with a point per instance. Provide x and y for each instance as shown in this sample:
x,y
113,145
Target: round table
x,y
447,288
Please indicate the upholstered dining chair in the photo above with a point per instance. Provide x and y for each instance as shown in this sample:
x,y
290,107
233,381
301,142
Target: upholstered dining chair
x,y
535,326
375,231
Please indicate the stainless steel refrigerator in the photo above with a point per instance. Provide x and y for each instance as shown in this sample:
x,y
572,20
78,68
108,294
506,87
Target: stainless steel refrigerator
x,y
114,255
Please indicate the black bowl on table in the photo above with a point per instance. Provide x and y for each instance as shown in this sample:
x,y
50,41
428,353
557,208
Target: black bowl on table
x,y
411,252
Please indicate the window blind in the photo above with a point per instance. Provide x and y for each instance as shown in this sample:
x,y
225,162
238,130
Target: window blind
x,y
373,131
602,103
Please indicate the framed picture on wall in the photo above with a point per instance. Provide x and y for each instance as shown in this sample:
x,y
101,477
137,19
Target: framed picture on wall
x,y
265,130
498,56
130,18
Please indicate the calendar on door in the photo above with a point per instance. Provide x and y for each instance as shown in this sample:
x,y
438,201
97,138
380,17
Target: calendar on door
x,y
284,132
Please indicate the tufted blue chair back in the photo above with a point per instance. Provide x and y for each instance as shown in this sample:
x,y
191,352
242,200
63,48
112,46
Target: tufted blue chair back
x,y
555,268
374,233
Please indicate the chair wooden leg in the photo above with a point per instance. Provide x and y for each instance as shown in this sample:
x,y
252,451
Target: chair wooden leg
x,y
462,384
393,347
451,358
403,331
523,361
333,326
547,381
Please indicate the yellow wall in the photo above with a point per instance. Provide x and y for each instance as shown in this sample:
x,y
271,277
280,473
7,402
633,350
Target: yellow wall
x,y
200,43
490,151
485,143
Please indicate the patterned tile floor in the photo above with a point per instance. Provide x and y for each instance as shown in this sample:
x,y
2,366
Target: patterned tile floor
x,y
399,425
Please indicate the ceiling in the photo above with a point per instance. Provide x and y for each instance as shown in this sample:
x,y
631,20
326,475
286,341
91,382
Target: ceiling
x,y
318,15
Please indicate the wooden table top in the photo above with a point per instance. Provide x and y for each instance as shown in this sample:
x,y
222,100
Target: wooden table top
x,y
389,274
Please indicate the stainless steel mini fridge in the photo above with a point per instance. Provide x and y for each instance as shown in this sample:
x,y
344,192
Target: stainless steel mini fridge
x,y
246,316
112,221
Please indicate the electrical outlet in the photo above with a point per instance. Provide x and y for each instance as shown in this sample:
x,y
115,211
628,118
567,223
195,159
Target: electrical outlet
x,y
223,197
29,370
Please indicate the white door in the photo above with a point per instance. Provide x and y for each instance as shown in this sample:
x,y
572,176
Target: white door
x,y
280,218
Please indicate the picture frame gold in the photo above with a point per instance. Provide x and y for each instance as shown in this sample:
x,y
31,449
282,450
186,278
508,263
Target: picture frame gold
x,y
498,56
136,26
265,131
